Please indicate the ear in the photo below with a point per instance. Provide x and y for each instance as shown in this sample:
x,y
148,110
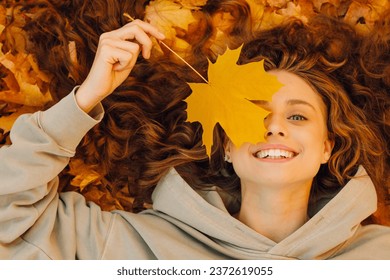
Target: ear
x,y
328,147
227,152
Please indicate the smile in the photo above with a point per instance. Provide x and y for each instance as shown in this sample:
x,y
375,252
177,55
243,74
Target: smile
x,y
274,154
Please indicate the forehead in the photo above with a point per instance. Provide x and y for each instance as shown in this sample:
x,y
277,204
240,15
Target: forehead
x,y
295,91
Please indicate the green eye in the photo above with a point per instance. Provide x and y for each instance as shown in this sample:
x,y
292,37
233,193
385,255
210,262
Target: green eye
x,y
297,118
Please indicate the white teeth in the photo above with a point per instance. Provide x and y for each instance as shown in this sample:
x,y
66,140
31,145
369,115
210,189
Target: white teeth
x,y
274,154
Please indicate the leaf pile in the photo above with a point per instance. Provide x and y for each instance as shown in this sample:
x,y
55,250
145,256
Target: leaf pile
x,y
24,88
182,20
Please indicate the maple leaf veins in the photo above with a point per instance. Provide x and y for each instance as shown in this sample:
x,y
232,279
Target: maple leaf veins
x,y
226,100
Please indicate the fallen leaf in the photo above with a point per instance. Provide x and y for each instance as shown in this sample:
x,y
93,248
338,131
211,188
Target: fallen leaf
x,y
271,19
307,8
23,79
192,4
318,3
226,99
292,10
6,122
84,176
277,3
362,16
167,16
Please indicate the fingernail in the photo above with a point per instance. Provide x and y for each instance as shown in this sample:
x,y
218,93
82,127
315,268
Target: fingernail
x,y
161,35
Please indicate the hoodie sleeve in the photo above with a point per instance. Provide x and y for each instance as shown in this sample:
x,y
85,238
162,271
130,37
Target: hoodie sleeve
x,y
35,221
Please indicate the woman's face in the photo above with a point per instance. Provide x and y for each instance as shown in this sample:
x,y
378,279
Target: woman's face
x,y
296,142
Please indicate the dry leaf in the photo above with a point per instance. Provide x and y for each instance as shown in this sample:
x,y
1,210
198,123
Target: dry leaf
x,y
225,100
271,18
307,8
277,3
168,17
23,79
318,3
84,175
6,122
292,10
192,4
362,16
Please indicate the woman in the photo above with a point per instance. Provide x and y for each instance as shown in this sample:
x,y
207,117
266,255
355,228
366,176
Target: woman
x,y
316,139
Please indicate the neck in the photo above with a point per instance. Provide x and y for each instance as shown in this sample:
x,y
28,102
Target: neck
x,y
274,212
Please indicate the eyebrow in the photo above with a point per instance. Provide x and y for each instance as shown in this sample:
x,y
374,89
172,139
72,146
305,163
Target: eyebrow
x,y
265,104
300,102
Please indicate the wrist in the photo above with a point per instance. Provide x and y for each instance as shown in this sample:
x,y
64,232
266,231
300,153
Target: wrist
x,y
85,99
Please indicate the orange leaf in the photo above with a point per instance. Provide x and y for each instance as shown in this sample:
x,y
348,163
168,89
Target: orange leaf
x,y
167,15
24,85
84,176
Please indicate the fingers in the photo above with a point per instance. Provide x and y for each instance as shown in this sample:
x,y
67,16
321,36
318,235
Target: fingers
x,y
119,53
138,31
125,32
115,57
126,56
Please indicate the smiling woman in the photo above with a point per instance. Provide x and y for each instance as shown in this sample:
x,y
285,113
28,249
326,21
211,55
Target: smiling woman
x,y
279,172
327,80
303,193
313,119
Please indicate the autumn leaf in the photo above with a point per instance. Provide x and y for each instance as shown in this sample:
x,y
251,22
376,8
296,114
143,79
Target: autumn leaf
x,y
166,14
277,3
292,10
226,100
6,122
173,19
23,78
318,3
84,176
193,4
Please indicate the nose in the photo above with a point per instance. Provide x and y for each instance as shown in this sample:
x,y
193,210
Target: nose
x,y
274,125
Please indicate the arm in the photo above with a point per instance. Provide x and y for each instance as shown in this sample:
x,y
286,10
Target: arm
x,y
44,142
42,145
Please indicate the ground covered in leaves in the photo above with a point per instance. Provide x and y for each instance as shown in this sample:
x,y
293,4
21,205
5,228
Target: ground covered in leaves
x,y
24,88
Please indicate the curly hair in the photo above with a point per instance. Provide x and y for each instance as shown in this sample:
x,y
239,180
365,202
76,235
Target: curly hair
x,y
324,53
145,133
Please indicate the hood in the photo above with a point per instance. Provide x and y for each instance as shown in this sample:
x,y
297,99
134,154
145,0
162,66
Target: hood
x,y
321,237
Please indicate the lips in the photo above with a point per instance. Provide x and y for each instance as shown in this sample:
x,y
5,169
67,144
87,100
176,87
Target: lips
x,y
275,152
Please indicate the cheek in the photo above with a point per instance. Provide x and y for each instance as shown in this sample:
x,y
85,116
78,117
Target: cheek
x,y
243,169
240,160
313,143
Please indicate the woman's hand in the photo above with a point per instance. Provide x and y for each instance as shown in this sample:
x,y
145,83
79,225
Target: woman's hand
x,y
115,58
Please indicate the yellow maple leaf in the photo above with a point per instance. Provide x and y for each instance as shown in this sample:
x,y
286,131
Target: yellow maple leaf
x,y
226,99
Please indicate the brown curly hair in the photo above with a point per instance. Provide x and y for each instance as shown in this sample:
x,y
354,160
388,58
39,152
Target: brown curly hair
x,y
327,54
145,133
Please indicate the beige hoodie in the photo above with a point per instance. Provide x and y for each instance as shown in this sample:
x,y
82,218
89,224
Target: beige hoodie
x,y
38,223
